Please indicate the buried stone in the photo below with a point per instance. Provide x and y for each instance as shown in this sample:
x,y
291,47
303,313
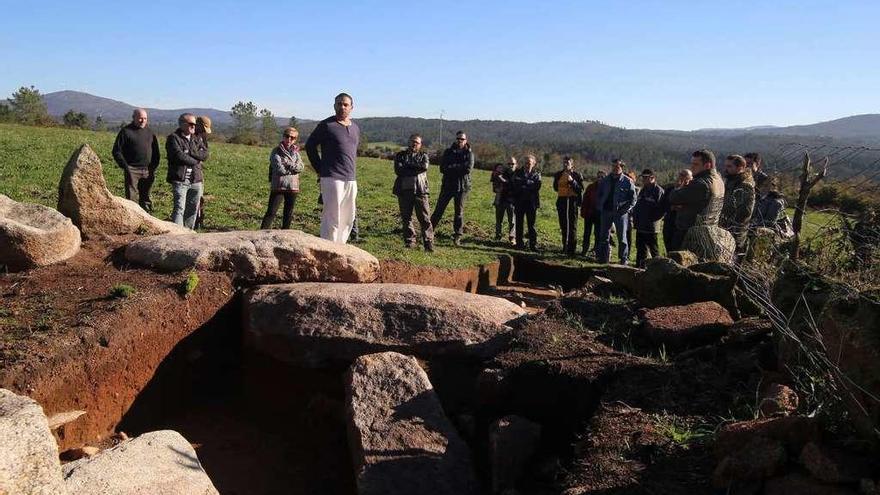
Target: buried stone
x,y
401,440
34,235
317,324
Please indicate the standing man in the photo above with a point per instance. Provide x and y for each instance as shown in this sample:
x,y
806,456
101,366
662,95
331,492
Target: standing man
x,y
186,153
616,198
647,215
699,202
136,151
456,166
411,189
590,213
502,186
569,185
756,164
739,201
338,138
684,178
527,191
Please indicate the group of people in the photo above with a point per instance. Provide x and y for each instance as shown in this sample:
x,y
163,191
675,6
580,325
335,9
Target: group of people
x,y
744,198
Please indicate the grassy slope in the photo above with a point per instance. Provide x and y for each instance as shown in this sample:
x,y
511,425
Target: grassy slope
x,y
31,161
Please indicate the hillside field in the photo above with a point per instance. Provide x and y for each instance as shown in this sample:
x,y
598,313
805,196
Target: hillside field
x,y
236,187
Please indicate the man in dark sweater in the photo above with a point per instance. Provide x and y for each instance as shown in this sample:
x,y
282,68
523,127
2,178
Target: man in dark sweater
x,y
136,151
338,138
456,166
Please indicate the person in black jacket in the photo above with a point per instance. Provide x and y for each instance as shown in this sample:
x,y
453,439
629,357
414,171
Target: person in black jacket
x,y
456,166
569,186
684,178
527,188
186,153
411,189
502,186
647,213
136,151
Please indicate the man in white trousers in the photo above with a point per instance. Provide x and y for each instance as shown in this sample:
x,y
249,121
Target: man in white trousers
x,y
338,138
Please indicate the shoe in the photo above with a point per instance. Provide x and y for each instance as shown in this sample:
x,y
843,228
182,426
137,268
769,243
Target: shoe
x,y
457,241
429,247
410,245
512,241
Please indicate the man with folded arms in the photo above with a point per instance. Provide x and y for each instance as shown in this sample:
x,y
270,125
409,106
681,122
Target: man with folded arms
x,y
136,151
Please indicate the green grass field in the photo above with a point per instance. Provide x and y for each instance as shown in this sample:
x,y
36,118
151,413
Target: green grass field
x,y
236,185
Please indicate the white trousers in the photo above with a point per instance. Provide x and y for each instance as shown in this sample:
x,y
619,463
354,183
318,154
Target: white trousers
x,y
339,208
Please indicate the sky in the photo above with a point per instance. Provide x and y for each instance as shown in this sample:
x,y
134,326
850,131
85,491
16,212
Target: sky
x,y
636,64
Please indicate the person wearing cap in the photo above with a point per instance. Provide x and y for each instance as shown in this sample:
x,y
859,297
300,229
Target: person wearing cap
x,y
590,213
338,138
647,214
411,189
285,165
185,152
455,165
569,186
615,199
136,151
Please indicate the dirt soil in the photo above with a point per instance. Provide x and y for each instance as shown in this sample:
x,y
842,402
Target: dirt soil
x,y
71,346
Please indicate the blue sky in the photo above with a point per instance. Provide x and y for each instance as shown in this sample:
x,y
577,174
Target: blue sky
x,y
639,64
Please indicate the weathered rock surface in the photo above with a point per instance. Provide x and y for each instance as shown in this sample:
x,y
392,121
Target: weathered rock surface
x,y
512,441
778,400
666,283
693,324
155,463
831,465
759,459
401,440
313,324
710,243
34,235
793,431
83,196
257,256
683,258
28,454
799,484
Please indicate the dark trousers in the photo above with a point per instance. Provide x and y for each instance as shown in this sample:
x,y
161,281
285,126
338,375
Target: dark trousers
x,y
442,201
526,212
677,240
591,225
567,210
501,210
409,202
668,233
275,198
645,242
138,182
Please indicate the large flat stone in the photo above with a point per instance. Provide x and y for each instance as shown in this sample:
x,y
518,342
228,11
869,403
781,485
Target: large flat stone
x,y
692,324
83,196
28,454
313,324
401,440
34,235
260,256
155,463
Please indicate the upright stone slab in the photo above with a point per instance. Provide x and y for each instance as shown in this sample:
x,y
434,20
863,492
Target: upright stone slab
x,y
28,454
402,443
155,463
710,243
34,235
262,256
315,324
83,196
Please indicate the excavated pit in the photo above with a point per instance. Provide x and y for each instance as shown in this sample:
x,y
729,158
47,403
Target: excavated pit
x,y
261,426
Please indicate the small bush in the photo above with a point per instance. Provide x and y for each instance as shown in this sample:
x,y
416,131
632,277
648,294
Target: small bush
x,y
188,286
122,291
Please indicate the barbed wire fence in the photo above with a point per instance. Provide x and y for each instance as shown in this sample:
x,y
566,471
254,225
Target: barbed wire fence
x,y
840,248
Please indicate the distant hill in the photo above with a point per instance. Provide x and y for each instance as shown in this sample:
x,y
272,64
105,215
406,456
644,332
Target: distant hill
x,y
864,127
59,102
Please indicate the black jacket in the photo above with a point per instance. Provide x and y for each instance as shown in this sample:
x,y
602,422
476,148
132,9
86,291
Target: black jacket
x,y
456,166
527,189
136,148
183,153
649,209
411,169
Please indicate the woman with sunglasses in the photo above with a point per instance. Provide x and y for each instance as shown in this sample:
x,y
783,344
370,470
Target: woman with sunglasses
x,y
285,165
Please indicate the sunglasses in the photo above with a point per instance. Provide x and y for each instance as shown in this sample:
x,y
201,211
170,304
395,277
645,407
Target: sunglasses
x,y
288,136
193,124
461,139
